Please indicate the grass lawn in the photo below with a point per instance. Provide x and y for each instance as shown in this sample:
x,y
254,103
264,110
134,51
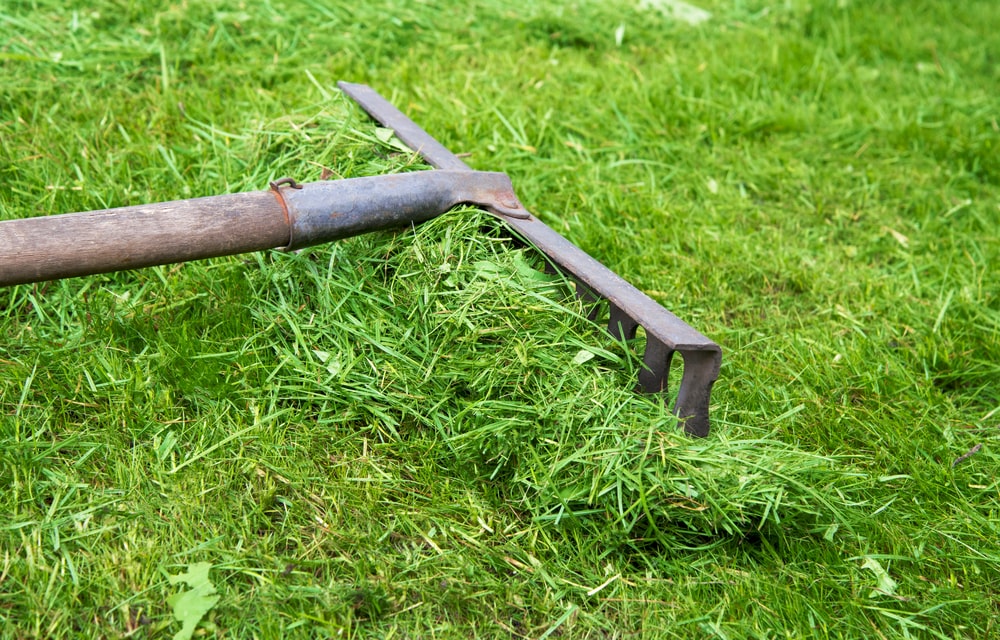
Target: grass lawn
x,y
420,434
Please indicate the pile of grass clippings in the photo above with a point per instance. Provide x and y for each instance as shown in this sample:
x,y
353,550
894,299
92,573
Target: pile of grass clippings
x,y
454,327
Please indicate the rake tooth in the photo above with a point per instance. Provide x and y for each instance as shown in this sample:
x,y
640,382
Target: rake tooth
x,y
621,326
700,371
656,369
591,301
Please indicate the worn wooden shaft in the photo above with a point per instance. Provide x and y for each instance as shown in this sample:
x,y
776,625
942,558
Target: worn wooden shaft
x,y
75,244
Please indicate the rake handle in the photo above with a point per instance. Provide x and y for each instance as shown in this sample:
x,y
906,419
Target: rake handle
x,y
288,217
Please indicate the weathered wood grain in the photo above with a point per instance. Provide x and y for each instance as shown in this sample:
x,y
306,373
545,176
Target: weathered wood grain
x,y
76,244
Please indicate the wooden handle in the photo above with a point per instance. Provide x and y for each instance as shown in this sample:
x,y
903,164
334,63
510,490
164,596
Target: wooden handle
x,y
76,244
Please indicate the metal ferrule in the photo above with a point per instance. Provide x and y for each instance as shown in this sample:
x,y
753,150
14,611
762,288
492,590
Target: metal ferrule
x,y
323,211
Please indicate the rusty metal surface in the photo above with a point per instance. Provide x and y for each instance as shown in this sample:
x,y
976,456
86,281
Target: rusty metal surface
x,y
629,308
324,211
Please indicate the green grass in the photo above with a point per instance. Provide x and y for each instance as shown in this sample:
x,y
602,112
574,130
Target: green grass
x,y
419,434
